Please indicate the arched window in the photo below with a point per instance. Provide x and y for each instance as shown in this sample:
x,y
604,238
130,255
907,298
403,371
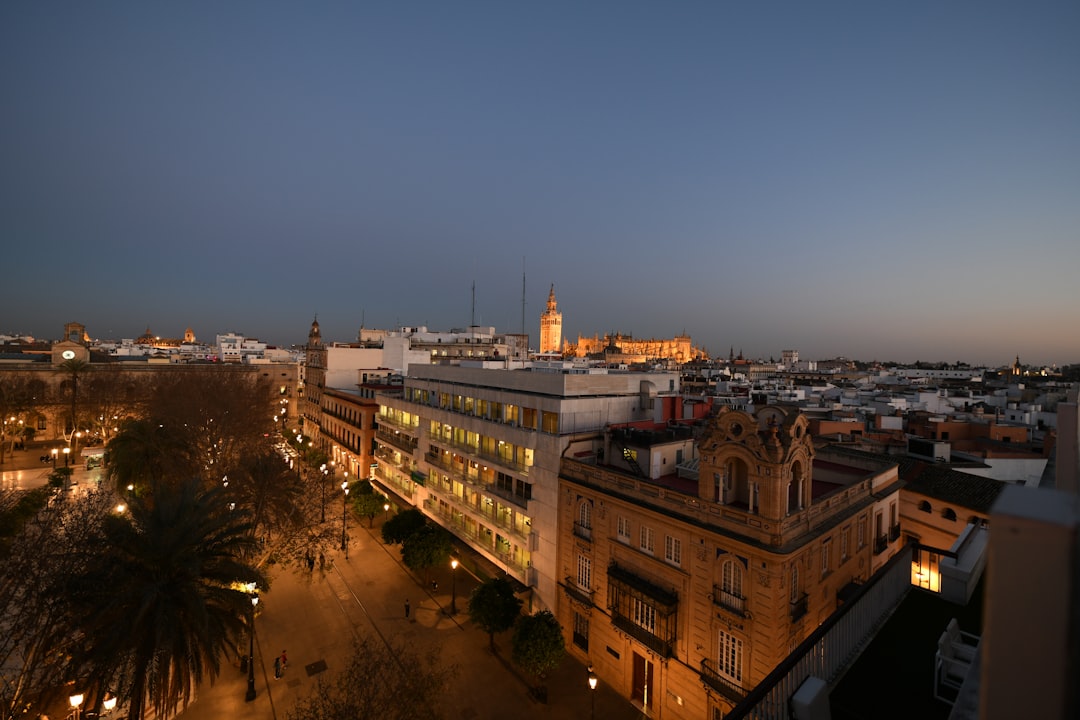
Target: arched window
x,y
925,506
949,514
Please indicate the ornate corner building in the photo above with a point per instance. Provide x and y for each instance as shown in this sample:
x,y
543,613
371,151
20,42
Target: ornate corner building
x,y
690,569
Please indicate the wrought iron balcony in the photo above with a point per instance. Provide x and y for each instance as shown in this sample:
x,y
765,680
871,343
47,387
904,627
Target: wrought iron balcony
x,y
582,531
730,601
881,542
894,532
799,607
712,677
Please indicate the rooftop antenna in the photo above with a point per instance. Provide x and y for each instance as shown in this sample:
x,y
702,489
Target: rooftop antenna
x,y
472,319
523,295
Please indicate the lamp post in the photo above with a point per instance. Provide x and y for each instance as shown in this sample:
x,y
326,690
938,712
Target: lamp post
x,y
344,504
322,488
453,586
251,645
386,512
67,456
592,692
109,702
54,453
76,705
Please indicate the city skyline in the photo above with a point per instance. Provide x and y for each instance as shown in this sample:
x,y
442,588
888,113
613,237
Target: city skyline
x,y
877,183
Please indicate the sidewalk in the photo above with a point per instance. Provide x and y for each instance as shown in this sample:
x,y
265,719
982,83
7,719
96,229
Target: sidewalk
x,y
314,618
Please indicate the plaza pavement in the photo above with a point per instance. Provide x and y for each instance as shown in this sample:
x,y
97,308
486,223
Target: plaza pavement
x,y
315,616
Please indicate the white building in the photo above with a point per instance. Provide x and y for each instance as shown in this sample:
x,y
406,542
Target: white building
x,y
479,451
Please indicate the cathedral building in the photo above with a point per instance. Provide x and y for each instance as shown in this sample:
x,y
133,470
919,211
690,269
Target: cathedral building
x,y
625,349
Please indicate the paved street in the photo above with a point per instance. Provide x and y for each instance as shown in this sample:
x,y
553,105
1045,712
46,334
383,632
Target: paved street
x,y
315,616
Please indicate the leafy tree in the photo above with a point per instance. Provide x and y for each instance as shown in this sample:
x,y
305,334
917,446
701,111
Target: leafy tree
x,y
538,646
41,550
390,683
73,369
16,403
401,526
366,502
427,547
494,607
147,451
155,597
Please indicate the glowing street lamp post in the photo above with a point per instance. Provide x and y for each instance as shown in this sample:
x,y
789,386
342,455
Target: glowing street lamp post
x,y
592,691
344,503
453,586
251,645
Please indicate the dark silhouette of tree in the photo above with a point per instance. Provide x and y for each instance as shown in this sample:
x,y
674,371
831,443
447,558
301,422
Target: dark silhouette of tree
x,y
365,501
41,549
73,369
389,683
426,548
494,607
538,646
145,451
405,523
157,597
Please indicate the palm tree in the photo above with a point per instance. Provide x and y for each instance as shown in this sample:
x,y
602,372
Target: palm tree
x,y
145,450
158,603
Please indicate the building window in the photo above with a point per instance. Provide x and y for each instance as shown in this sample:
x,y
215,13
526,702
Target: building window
x,y
643,614
584,572
624,529
673,550
646,542
949,514
729,663
826,551
845,540
860,533
793,596
731,578
925,506
585,514
549,422
581,631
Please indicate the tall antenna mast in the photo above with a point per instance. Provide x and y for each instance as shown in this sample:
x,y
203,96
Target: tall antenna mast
x,y
472,319
522,295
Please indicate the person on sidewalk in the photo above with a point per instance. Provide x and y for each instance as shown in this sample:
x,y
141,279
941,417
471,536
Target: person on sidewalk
x,y
407,608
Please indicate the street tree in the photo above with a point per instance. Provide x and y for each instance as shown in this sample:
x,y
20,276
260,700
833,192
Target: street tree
x,y
146,451
538,647
366,502
428,547
494,607
41,549
16,404
380,681
405,523
156,598
74,369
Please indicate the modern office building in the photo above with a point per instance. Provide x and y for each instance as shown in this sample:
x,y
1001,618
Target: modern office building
x,y
478,449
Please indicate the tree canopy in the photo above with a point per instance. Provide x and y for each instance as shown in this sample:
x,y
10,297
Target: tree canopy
x,y
402,525
389,683
494,607
538,644
428,547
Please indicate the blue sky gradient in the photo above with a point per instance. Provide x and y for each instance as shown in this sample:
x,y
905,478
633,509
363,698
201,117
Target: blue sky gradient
x,y
876,181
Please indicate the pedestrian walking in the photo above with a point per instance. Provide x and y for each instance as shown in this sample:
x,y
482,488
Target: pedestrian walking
x,y
284,661
310,562
434,586
407,608
277,668
322,561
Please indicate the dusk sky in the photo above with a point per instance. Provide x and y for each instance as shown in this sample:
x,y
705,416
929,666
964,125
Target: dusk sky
x,y
898,181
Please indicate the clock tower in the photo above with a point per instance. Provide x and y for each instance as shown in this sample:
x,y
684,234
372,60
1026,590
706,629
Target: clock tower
x,y
73,346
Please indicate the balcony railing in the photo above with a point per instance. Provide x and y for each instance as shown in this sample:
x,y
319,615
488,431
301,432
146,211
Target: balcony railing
x,y
576,592
582,531
894,532
658,645
397,439
880,544
799,607
729,601
732,691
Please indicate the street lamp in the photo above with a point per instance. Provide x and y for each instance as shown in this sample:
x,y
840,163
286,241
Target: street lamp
x,y
386,512
453,586
322,488
109,702
67,456
54,452
592,693
76,705
251,645
344,499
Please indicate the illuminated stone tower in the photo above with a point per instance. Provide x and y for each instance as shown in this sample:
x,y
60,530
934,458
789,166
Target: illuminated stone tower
x,y
550,326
